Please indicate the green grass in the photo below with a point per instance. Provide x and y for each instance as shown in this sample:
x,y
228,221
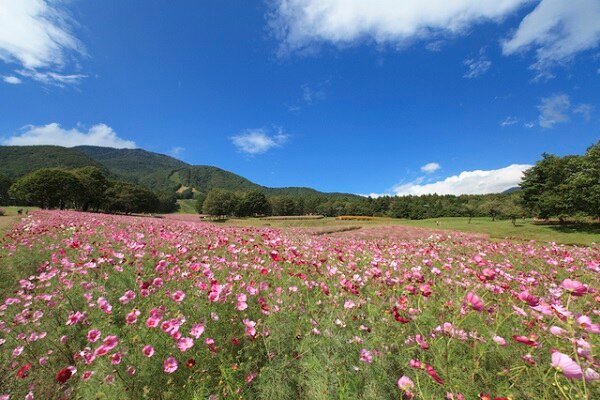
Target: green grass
x,y
576,234
187,206
10,216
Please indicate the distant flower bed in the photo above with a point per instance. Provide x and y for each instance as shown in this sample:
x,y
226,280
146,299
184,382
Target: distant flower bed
x,y
355,218
288,217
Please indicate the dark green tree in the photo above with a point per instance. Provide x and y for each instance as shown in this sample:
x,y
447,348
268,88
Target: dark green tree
x,y
253,203
5,184
130,198
220,202
48,188
94,183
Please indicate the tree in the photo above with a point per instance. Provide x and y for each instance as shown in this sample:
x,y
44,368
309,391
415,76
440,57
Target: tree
x,y
94,184
282,205
252,203
585,183
5,184
48,188
547,187
199,197
220,202
130,198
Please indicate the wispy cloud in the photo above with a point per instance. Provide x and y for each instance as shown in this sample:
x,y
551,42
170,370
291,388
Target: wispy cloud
x,y
477,66
529,125
557,30
176,151
54,134
312,94
259,141
508,121
430,167
37,36
301,24
13,80
554,110
585,110
467,182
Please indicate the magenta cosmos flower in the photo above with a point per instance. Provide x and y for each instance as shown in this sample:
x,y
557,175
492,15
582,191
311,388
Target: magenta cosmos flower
x,y
474,301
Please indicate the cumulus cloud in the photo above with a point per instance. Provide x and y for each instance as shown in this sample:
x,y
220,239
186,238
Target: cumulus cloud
x,y
302,23
54,134
13,80
477,66
553,110
37,35
556,30
468,182
430,167
258,141
508,121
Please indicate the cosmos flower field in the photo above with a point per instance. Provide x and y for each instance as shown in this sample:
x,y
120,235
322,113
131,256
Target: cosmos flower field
x,y
113,307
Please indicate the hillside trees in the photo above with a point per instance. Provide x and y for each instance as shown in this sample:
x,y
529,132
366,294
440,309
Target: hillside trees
x,y
130,198
5,184
253,203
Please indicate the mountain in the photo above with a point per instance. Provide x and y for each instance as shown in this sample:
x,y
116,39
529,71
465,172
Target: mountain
x,y
153,170
16,161
511,190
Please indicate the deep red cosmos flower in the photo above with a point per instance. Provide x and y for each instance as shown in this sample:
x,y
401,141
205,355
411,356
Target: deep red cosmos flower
x,y
65,374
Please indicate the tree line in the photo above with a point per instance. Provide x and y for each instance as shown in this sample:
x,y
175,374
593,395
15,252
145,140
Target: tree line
x,y
85,189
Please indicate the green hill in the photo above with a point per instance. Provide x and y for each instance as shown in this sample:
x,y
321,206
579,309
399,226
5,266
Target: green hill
x,y
16,161
153,170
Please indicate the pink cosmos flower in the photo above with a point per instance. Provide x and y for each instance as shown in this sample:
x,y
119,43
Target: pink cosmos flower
x,y
87,375
405,383
131,318
421,342
152,322
250,327
564,363
93,335
178,296
197,330
557,331
574,287
148,351
474,301
185,344
499,340
366,356
116,358
170,365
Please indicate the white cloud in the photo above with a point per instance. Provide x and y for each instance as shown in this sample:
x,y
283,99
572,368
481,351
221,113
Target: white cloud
x,y
176,151
54,134
302,23
13,80
312,95
477,66
553,110
529,124
557,30
508,121
585,110
52,78
430,167
468,182
258,141
38,36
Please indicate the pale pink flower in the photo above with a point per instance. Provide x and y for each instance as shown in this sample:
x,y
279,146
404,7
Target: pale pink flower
x,y
197,330
405,383
185,344
93,335
250,327
178,296
366,356
564,363
574,287
499,340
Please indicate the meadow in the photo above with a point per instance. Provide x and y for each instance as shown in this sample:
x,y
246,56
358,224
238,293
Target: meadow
x,y
97,306
581,233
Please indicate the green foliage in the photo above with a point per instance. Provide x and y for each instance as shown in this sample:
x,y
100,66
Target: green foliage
x,y
48,188
5,184
564,186
253,203
129,198
18,161
94,184
221,202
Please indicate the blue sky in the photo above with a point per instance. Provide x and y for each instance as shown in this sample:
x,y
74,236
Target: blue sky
x,y
364,97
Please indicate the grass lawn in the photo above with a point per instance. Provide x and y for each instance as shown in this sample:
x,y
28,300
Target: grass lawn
x,y
11,215
187,206
576,234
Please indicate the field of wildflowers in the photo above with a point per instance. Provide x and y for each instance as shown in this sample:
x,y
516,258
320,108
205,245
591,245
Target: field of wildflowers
x,y
110,307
